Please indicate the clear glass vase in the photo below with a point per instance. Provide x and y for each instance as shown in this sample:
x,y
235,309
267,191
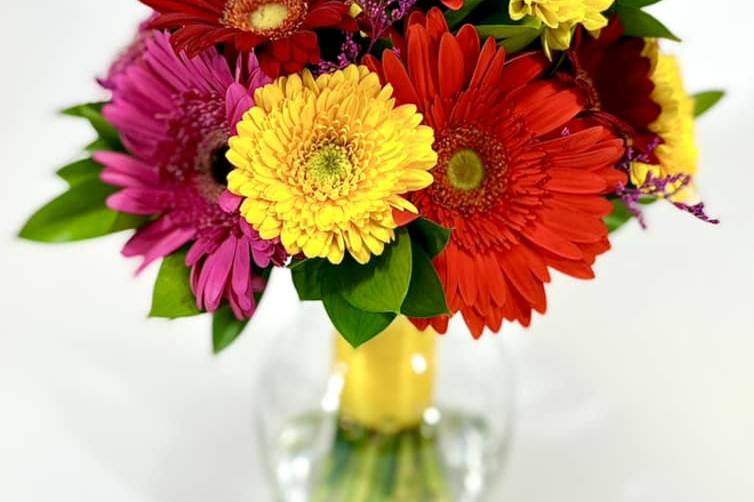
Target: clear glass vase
x,y
410,416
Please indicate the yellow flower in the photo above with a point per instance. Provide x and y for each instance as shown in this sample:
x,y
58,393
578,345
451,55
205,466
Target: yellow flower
x,y
677,153
560,17
323,162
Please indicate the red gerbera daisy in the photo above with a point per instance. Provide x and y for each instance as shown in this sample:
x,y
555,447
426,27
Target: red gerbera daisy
x,y
281,31
614,74
520,180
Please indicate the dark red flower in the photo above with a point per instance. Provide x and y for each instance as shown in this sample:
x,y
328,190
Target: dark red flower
x,y
281,31
614,73
520,180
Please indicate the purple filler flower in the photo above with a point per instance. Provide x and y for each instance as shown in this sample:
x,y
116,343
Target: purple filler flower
x,y
175,115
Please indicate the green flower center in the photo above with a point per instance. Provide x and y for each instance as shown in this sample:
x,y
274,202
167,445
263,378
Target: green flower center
x,y
329,164
465,170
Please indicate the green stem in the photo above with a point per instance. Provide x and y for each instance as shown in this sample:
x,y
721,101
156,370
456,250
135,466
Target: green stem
x,y
433,474
406,486
359,485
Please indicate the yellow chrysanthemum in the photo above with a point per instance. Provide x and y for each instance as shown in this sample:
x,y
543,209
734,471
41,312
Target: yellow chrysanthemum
x,y
323,162
560,17
677,153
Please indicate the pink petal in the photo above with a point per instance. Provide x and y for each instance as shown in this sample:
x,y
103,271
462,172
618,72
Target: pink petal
x,y
229,202
242,267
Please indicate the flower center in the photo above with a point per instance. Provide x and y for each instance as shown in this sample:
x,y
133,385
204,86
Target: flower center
x,y
329,164
273,19
220,167
269,16
472,169
465,170
212,166
327,168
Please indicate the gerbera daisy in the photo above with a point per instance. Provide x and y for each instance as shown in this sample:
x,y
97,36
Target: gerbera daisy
x,y
175,115
615,74
322,163
561,17
281,31
519,180
676,153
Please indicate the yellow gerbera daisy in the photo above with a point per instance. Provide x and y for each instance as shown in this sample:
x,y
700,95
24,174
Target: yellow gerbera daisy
x,y
323,162
677,153
560,17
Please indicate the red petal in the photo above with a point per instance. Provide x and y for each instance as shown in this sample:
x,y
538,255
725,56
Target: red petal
x,y
403,218
449,69
453,4
396,75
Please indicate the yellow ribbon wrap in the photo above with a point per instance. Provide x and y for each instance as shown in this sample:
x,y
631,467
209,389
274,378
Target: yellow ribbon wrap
x,y
388,381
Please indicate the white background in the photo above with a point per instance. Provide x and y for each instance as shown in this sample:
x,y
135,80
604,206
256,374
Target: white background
x,y
649,382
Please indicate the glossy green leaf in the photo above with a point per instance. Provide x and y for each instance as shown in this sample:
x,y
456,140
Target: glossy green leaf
x,y
80,171
307,278
78,214
430,236
454,18
619,217
93,113
638,23
172,297
425,298
355,325
382,284
225,329
705,101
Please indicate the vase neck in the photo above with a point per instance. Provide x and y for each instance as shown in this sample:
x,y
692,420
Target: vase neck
x,y
388,381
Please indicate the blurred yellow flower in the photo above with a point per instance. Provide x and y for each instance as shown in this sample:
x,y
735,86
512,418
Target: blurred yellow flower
x,y
323,162
677,152
560,17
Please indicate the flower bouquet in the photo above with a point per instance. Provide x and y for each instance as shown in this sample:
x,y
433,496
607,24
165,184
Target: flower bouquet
x,y
405,161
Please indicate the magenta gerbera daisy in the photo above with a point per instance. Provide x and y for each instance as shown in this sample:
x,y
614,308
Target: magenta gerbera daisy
x,y
175,115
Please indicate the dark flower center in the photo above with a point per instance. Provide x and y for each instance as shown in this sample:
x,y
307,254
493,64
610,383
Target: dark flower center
x,y
220,167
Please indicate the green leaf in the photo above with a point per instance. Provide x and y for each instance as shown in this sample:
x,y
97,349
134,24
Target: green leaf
x,y
307,277
503,31
172,297
355,325
100,145
78,214
80,171
705,101
637,4
225,328
432,237
518,43
379,286
93,113
638,23
454,18
426,297
619,217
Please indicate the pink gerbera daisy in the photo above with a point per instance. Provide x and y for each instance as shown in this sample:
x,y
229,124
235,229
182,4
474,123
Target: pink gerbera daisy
x,y
175,115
